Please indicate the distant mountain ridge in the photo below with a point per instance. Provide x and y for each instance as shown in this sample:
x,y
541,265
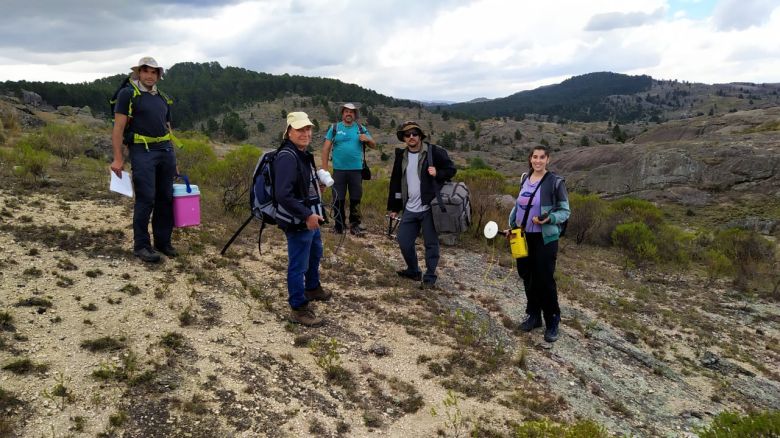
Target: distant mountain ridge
x,y
578,98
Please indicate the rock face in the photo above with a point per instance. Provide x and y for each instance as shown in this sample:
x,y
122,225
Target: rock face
x,y
726,154
31,98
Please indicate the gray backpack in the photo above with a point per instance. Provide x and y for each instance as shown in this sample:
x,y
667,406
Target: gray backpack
x,y
451,208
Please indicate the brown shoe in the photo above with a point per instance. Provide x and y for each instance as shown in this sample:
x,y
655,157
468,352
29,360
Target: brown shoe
x,y
318,294
304,315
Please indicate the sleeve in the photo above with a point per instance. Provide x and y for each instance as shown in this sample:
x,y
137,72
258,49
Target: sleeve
x,y
285,180
561,211
445,168
122,105
394,201
513,217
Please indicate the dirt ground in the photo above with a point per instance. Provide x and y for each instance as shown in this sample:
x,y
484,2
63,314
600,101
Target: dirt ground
x,y
200,345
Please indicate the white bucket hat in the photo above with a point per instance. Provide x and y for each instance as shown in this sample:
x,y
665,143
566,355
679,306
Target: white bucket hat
x,y
149,62
297,120
349,106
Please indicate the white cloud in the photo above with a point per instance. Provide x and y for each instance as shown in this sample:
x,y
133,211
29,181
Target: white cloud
x,y
443,50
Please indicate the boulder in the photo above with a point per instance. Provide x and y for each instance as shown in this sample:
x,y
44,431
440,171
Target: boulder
x,y
101,150
66,110
31,98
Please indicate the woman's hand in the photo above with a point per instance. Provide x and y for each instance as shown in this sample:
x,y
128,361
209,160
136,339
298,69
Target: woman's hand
x,y
538,221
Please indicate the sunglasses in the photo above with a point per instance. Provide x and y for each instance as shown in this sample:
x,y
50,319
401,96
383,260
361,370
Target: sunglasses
x,y
411,134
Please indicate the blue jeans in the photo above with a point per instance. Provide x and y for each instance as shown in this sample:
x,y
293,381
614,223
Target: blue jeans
x,y
408,230
304,251
153,173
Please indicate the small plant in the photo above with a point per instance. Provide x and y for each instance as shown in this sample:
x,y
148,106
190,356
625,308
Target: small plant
x,y
93,273
33,302
78,423
186,317
454,421
63,281
118,419
6,321
25,366
106,343
32,272
173,341
91,307
66,265
130,289
59,393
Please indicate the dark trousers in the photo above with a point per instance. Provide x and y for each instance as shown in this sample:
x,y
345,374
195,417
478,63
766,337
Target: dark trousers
x,y
153,173
304,251
347,181
408,230
538,274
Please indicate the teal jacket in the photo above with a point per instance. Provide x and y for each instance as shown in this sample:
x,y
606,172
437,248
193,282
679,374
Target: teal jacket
x,y
555,201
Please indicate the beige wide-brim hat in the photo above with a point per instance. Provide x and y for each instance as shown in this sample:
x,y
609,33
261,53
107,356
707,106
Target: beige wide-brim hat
x,y
297,120
149,62
349,106
408,126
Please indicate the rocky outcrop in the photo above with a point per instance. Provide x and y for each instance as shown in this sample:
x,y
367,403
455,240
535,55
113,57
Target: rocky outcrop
x,y
32,98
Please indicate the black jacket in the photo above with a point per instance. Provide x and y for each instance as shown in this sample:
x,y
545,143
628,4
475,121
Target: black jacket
x,y
445,170
293,178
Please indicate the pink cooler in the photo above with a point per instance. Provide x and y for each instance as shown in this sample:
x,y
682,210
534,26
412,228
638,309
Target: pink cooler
x,y
186,206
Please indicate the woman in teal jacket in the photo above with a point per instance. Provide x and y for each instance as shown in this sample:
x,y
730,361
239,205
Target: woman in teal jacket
x,y
543,193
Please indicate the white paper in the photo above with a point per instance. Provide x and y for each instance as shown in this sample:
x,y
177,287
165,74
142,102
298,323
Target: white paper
x,y
122,185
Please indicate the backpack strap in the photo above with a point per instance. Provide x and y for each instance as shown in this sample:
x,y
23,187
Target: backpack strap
x,y
436,188
531,200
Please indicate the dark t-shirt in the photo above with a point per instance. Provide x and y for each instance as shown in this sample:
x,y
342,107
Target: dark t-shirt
x,y
151,113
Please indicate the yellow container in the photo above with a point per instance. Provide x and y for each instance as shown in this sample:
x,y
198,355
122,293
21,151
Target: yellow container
x,y
517,243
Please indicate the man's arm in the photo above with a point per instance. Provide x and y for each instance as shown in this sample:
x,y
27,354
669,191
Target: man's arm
x,y
117,137
326,147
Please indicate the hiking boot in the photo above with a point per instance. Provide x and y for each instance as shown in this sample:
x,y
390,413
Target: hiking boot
x,y
531,322
318,294
427,285
416,276
304,315
357,230
338,231
551,333
168,250
148,255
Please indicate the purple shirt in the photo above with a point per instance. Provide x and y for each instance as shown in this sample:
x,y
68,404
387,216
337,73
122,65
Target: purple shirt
x,y
522,204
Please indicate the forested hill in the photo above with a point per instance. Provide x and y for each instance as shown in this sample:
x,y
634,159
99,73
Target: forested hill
x,y
584,98
202,90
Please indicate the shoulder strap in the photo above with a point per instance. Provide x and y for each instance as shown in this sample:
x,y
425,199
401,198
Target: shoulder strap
x,y
436,188
333,127
530,200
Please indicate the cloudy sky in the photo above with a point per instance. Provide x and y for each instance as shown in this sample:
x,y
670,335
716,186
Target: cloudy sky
x,y
428,50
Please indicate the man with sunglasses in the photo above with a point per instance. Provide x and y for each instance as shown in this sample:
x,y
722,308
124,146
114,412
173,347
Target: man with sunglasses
x,y
413,184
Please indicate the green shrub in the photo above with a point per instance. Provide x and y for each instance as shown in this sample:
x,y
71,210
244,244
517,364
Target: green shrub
x,y
65,141
32,161
591,212
232,176
751,255
733,425
637,240
194,157
637,210
484,186
674,245
547,429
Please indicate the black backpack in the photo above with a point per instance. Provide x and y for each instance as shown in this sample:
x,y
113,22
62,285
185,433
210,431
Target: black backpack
x,y
127,82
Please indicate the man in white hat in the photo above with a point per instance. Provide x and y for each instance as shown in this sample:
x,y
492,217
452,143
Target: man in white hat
x,y
142,122
347,140
298,196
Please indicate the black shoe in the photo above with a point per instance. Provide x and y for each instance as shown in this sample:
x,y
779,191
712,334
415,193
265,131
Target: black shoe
x,y
169,251
427,285
148,255
338,231
357,230
416,276
551,333
531,322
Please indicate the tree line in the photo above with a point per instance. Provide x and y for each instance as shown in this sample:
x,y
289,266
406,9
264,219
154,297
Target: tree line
x,y
203,90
